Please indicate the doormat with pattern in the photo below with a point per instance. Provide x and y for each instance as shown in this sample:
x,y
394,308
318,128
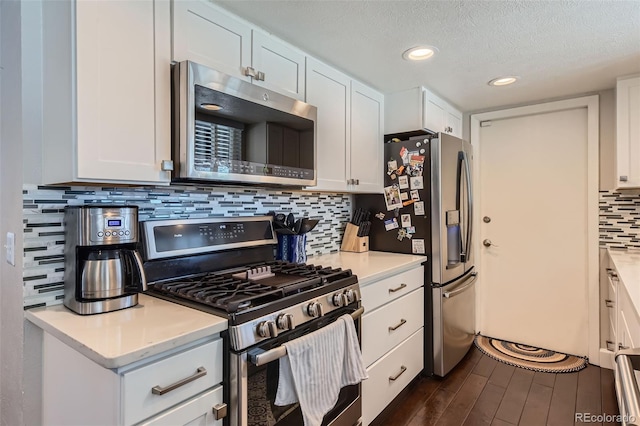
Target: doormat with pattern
x,y
529,357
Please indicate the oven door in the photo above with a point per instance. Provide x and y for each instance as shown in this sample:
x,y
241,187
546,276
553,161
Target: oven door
x,y
253,387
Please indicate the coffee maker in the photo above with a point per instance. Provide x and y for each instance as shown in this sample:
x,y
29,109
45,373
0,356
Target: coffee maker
x,y
103,269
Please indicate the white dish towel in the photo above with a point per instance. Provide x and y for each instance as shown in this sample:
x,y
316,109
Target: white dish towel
x,y
317,366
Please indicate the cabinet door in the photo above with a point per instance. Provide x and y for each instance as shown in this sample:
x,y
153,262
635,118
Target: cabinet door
x,y
454,123
628,133
197,411
435,114
282,65
121,55
329,90
205,34
367,136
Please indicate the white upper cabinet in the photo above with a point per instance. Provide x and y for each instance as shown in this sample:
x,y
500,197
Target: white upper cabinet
x,y
349,133
206,34
329,91
280,66
366,138
628,132
419,108
106,97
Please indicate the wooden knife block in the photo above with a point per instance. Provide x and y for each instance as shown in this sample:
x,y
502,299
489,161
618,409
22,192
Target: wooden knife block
x,y
351,241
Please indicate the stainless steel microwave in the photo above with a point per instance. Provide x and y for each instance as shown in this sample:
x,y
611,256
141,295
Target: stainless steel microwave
x,y
231,131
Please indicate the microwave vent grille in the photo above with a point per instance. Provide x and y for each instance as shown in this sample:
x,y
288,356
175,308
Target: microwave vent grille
x,y
215,142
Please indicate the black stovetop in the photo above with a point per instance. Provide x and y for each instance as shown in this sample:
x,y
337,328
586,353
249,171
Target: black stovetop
x,y
231,293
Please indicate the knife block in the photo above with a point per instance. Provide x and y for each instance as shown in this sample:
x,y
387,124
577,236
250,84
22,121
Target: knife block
x,y
351,241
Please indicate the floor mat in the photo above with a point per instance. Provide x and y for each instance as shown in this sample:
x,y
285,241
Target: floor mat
x,y
529,357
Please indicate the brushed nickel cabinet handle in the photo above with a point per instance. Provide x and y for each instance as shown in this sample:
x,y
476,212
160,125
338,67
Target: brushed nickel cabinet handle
x,y
402,370
609,303
249,72
393,290
159,390
402,322
219,411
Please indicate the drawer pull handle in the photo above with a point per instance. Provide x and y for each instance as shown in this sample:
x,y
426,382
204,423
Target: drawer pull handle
x,y
402,370
400,324
159,390
609,303
393,290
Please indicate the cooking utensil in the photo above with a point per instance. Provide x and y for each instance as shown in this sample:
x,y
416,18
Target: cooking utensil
x,y
307,225
296,226
291,220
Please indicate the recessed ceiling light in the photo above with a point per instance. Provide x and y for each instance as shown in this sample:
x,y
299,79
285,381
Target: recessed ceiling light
x,y
419,53
502,81
211,107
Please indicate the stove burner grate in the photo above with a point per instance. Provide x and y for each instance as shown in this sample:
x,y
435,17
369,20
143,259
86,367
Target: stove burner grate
x,y
223,291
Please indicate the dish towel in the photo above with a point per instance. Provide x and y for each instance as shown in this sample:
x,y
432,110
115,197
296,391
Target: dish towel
x,y
317,366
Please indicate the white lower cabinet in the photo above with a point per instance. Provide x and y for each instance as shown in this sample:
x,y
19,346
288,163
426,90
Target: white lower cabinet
x,y
387,327
180,387
391,374
392,338
620,322
196,411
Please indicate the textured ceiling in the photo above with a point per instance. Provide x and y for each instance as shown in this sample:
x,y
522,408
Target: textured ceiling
x,y
558,48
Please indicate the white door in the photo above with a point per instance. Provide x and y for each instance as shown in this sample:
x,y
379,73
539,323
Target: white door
x,y
537,199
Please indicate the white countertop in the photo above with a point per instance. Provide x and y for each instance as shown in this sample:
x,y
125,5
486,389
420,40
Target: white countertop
x,y
119,338
369,266
627,263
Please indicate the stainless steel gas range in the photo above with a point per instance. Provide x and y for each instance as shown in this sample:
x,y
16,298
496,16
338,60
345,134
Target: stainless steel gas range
x,y
226,266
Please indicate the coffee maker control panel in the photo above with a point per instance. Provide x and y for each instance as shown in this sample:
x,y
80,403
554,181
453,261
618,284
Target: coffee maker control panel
x,y
112,228
101,225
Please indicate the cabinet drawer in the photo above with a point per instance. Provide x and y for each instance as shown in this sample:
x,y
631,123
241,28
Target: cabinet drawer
x,y
137,385
388,326
404,362
377,294
196,411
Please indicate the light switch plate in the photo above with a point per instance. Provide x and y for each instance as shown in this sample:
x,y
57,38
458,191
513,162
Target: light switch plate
x,y
11,248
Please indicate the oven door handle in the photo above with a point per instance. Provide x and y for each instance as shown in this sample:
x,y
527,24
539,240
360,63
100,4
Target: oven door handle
x,y
259,357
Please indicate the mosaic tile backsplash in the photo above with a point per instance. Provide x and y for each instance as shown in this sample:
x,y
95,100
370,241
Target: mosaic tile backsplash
x,y
43,210
619,220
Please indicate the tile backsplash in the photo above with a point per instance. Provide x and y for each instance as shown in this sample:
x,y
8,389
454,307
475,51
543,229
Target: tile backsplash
x,y
43,210
619,219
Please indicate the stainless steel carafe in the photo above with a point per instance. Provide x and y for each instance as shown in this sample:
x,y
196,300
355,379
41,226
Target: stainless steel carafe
x,y
103,269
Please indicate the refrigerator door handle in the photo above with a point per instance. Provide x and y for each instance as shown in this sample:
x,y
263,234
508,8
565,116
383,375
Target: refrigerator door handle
x,y
469,209
463,288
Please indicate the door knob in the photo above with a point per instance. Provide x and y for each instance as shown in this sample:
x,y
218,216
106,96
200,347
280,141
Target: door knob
x,y
487,243
486,219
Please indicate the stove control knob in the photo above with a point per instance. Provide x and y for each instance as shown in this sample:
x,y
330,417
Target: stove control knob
x,y
285,322
352,295
314,309
267,329
340,299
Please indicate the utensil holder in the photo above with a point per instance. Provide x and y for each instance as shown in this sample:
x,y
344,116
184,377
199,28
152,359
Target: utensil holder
x,y
351,242
292,248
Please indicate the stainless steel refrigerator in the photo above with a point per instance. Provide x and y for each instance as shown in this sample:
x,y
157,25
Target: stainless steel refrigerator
x,y
427,209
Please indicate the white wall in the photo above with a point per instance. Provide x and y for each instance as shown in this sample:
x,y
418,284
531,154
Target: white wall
x,y
11,314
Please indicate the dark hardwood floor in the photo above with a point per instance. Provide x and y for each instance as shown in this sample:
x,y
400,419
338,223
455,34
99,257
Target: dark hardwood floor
x,y
483,391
